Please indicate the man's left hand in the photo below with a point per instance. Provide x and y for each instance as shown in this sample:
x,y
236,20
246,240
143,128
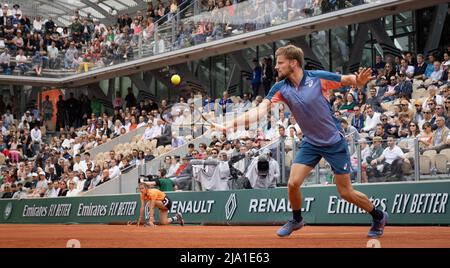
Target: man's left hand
x,y
363,77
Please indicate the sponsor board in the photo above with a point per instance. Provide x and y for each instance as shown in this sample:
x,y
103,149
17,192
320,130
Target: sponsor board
x,y
407,203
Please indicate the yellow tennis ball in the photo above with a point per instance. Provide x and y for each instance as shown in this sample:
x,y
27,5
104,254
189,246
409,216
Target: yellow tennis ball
x,y
175,79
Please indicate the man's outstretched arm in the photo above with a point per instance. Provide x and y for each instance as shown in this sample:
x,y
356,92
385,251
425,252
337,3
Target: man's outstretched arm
x,y
251,116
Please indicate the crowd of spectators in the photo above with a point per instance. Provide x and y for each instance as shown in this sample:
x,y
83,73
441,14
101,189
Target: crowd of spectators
x,y
32,44
64,158
408,100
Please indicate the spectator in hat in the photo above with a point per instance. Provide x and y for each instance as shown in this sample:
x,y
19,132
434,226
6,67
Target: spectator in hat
x,y
41,184
6,11
417,116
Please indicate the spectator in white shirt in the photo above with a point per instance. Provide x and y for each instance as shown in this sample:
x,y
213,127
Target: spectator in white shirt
x,y
77,163
141,122
84,163
73,191
77,145
21,61
81,181
371,120
37,24
283,120
392,157
151,131
52,53
405,68
5,59
42,184
27,116
36,135
114,170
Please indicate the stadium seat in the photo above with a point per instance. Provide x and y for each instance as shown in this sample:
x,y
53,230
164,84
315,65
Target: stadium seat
x,y
430,152
160,150
153,143
425,164
403,144
134,146
118,147
409,155
137,138
141,146
168,148
446,152
440,162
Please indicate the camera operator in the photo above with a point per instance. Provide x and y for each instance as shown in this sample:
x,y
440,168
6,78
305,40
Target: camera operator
x,y
264,171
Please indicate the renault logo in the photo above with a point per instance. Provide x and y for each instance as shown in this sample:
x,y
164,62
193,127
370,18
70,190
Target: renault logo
x,y
230,207
7,212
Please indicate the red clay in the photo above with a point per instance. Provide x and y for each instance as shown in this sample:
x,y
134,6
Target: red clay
x,y
122,236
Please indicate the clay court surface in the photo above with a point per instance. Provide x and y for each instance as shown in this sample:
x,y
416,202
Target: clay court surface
x,y
117,236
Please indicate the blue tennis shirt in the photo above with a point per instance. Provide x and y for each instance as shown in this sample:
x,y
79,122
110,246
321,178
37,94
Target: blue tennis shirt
x,y
310,106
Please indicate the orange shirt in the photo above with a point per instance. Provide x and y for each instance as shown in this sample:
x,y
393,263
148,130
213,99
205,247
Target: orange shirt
x,y
133,126
153,194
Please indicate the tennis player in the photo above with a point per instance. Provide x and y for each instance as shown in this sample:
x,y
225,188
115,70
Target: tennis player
x,y
156,199
306,95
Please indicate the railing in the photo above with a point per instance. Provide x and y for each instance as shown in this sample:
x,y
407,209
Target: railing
x,y
417,164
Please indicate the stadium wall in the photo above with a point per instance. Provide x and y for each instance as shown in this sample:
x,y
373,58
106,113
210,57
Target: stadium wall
x,y
408,203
